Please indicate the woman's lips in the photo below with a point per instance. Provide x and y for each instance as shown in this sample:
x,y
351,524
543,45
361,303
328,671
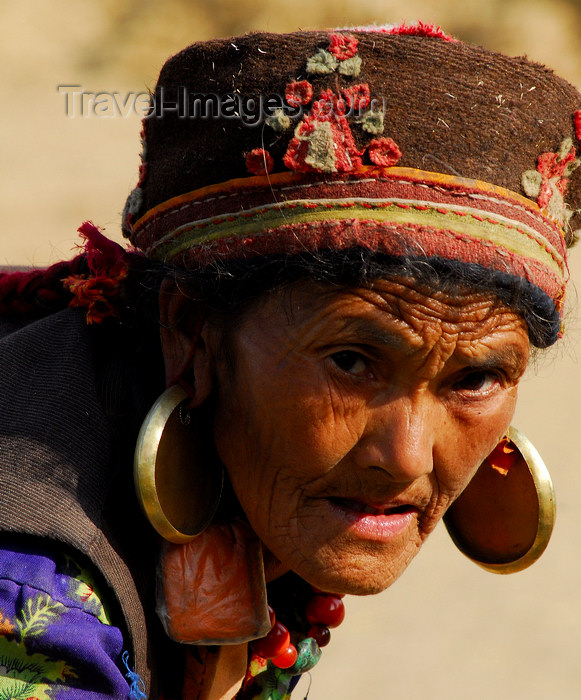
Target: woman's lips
x,y
374,521
370,508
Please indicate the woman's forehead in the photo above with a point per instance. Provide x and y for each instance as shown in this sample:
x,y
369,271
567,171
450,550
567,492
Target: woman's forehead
x,y
399,326
397,294
375,314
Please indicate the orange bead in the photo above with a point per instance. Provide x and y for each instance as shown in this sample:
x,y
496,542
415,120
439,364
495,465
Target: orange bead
x,y
287,658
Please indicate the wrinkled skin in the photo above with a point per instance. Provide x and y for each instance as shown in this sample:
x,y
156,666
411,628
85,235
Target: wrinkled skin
x,y
336,410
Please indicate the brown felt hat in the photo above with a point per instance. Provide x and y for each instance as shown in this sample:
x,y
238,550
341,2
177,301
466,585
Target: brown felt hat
x,y
398,139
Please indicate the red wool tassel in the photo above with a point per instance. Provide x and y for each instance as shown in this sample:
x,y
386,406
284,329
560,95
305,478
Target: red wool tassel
x,y
422,29
108,266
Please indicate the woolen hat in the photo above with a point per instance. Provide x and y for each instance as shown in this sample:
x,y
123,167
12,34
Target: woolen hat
x,y
401,140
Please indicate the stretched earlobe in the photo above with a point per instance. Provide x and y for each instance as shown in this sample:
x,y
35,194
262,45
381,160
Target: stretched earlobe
x,y
178,477
179,480
184,343
212,590
504,518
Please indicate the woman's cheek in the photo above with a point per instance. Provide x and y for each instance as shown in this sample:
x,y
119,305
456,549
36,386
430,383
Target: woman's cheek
x,y
474,442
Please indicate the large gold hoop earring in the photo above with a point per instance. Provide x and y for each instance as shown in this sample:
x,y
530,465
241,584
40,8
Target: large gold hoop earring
x,y
504,518
178,477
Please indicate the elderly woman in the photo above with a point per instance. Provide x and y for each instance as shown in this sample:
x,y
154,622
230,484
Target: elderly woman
x,y
345,245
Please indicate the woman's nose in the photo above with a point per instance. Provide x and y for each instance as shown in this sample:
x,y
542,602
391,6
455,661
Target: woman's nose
x,y
399,438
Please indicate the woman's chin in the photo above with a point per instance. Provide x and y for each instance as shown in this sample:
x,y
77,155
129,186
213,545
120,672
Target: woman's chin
x,y
349,585
362,575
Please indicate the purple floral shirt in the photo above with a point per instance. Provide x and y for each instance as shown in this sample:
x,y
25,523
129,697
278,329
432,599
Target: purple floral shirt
x,y
56,639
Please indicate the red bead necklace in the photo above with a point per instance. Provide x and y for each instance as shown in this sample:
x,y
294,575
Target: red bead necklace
x,y
322,612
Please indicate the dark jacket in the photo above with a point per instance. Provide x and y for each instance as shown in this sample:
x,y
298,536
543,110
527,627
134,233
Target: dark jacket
x,y
72,398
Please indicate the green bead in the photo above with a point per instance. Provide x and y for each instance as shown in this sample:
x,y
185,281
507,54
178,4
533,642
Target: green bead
x,y
309,654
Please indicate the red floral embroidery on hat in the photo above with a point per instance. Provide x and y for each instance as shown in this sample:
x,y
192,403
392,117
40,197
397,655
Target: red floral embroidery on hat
x,y
328,104
298,93
553,168
384,151
548,183
323,141
341,57
343,46
259,162
357,96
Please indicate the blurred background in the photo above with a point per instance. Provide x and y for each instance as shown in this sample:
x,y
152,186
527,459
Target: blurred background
x,y
446,630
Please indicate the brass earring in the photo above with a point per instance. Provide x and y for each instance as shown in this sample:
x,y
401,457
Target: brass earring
x,y
177,490
206,563
504,518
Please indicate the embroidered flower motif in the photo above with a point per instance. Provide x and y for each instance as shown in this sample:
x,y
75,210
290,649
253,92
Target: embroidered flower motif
x,y
343,46
278,121
357,96
372,121
350,67
548,183
340,57
322,63
259,162
384,151
328,104
323,141
298,93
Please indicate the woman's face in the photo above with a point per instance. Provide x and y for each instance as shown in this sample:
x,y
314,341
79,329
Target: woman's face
x,y
350,420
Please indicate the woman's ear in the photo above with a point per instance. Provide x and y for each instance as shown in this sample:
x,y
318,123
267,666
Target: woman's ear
x,y
184,342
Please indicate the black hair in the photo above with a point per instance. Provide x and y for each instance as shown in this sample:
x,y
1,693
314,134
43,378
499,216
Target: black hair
x,y
229,287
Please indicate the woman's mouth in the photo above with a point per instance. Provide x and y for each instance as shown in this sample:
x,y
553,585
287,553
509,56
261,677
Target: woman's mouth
x,y
362,507
371,520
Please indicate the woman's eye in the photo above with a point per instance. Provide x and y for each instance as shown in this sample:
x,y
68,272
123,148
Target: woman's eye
x,y
477,381
350,361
